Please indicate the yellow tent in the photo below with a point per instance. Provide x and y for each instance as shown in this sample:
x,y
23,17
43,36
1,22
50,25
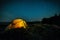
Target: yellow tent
x,y
17,23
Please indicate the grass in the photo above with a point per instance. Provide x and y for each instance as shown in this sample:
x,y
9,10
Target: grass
x,y
34,32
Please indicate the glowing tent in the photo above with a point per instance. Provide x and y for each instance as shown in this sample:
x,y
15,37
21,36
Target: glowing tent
x,y
17,23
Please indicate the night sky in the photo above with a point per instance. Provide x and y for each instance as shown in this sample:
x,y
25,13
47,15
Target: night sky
x,y
32,10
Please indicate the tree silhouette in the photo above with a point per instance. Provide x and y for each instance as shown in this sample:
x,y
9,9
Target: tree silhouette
x,y
52,20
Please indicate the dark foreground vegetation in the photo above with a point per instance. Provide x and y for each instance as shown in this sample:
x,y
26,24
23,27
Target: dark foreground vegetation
x,y
32,33
45,30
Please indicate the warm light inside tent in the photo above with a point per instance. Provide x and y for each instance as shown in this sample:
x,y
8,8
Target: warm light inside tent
x,y
17,23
